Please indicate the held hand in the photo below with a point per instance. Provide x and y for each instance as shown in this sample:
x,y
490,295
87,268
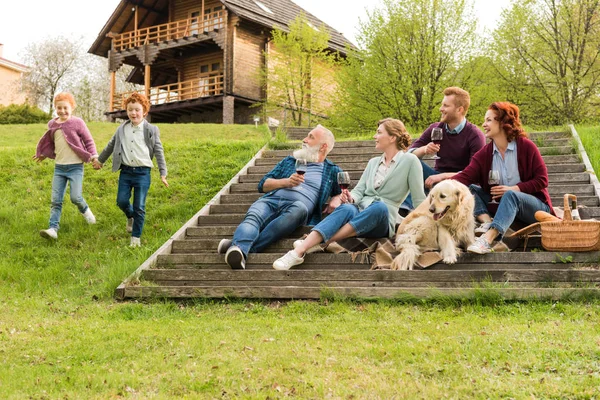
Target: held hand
x,y
164,181
498,191
295,179
431,148
96,164
334,203
433,180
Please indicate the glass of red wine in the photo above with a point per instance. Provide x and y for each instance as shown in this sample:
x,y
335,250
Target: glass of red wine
x,y
301,166
343,179
437,134
493,181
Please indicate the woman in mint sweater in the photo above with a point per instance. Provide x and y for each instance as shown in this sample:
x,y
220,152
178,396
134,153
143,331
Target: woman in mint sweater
x,y
371,209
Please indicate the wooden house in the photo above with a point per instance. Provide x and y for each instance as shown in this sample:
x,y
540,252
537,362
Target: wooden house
x,y
199,60
11,83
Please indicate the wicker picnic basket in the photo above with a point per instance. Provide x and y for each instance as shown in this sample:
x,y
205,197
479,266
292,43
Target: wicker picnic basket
x,y
568,234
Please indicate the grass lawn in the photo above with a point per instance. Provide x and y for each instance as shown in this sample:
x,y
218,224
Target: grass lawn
x,y
63,336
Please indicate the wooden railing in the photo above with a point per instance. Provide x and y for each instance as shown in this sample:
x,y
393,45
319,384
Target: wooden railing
x,y
170,31
205,86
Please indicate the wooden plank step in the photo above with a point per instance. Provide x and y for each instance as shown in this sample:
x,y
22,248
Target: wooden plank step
x,y
300,133
548,159
419,276
295,292
343,260
360,166
208,244
563,177
226,231
245,201
372,152
553,188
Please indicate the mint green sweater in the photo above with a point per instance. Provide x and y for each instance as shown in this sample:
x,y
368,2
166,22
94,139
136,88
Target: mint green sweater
x,y
405,176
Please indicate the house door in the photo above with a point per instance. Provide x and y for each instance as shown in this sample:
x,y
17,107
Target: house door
x,y
211,79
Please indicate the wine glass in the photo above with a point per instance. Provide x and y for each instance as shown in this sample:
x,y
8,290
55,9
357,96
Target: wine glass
x,y
436,137
343,179
301,166
493,180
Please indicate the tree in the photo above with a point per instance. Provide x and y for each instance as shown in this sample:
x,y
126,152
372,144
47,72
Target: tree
x,y
298,72
52,62
549,50
410,51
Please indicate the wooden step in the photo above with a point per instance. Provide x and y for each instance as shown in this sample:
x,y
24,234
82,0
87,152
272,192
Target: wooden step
x,y
360,166
526,260
548,159
553,188
369,278
372,152
301,293
226,231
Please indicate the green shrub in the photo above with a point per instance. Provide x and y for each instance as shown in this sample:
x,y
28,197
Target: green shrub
x,y
22,114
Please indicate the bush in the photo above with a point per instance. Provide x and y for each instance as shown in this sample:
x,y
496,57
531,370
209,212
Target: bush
x,y
22,114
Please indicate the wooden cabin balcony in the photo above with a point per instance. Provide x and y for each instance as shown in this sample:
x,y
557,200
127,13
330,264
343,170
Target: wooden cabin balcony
x,y
205,86
170,31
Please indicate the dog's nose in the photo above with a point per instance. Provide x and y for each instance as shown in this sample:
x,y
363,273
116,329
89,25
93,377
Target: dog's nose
x,y
432,209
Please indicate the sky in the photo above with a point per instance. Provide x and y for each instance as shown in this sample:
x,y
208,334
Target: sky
x,y
84,19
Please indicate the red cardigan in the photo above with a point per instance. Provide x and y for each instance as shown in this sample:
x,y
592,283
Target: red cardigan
x,y
531,166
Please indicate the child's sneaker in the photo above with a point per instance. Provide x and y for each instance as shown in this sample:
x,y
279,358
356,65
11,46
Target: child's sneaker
x,y
135,242
89,216
129,225
49,233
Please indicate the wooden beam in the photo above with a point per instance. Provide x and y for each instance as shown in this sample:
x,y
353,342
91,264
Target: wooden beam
x,y
113,75
147,80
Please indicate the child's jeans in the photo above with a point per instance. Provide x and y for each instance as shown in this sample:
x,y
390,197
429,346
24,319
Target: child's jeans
x,y
63,173
138,179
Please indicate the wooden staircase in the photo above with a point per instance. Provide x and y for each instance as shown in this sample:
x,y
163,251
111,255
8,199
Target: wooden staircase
x,y
189,267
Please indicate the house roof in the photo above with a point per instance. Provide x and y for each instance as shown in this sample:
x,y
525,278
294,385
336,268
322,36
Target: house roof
x,y
154,12
13,65
284,12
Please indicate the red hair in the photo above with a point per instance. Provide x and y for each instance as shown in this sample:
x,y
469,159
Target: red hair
x,y
65,96
508,116
136,97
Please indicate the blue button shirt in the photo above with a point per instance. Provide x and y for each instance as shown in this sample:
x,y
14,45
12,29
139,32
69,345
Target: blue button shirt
x,y
508,166
458,128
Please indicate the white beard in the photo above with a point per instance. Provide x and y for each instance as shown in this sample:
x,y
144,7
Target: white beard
x,y
310,154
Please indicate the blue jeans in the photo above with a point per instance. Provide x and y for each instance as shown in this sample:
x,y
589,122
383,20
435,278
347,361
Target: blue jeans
x,y
138,179
427,172
268,220
63,173
513,205
372,222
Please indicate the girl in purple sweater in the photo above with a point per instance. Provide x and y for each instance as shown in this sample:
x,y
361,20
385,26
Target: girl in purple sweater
x,y
69,142
523,177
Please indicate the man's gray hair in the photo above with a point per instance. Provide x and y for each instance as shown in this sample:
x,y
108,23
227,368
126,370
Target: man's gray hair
x,y
327,137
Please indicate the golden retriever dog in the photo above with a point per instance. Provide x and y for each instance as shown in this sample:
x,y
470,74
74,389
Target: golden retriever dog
x,y
444,221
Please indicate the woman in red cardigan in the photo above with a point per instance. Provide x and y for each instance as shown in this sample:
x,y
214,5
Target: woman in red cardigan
x,y
523,177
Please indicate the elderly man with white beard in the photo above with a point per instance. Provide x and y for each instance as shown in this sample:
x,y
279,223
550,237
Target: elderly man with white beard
x,y
291,199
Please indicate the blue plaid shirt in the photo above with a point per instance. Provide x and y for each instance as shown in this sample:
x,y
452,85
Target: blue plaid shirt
x,y
329,186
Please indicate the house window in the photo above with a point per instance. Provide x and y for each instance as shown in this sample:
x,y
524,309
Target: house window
x,y
214,18
263,7
194,22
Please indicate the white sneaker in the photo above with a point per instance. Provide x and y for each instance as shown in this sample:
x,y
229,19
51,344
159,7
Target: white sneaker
x,y
483,228
289,260
481,246
135,242
129,225
89,216
49,233
314,249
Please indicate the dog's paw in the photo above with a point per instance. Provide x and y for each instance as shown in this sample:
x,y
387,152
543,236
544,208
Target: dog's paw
x,y
450,259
